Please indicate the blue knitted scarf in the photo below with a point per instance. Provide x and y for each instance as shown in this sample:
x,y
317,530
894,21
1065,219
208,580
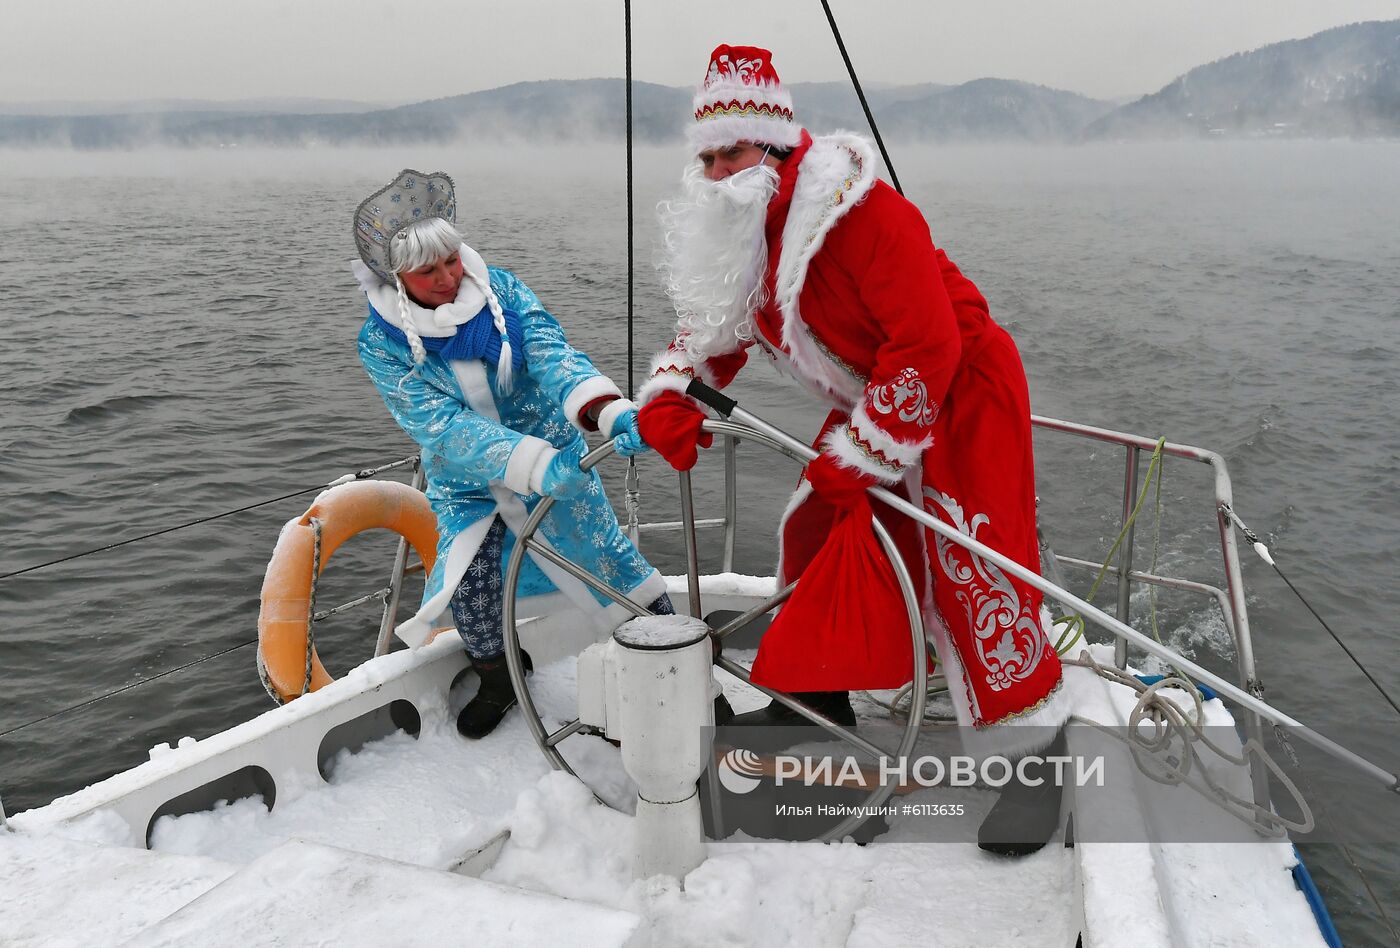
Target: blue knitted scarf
x,y
476,338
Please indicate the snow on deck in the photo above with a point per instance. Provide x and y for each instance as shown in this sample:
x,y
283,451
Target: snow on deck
x,y
430,801
308,894
426,801
69,893
762,892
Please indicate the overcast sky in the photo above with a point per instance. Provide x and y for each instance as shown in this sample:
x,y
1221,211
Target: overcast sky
x,y
407,51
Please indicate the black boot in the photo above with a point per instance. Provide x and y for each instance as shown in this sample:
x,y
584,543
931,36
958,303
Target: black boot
x,y
493,699
724,714
833,704
1024,816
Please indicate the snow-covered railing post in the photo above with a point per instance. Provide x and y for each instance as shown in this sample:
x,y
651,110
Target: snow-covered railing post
x,y
651,689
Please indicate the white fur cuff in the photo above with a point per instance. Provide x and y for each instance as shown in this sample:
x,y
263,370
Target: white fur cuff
x,y
610,414
524,460
864,430
1025,733
666,382
671,371
839,445
600,386
537,472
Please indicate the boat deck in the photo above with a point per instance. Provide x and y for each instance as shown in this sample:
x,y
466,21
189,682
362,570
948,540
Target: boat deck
x,y
402,825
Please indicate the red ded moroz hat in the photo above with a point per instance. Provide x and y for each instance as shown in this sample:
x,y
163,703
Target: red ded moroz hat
x,y
742,100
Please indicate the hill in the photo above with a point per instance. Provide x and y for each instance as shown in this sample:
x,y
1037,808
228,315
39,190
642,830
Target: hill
x,y
1341,82
560,111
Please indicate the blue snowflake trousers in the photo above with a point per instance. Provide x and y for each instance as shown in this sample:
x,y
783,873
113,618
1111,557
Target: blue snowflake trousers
x,y
478,602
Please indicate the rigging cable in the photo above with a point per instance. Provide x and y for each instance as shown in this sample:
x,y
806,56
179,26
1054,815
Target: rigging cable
x,y
314,617
1262,550
344,479
627,52
134,684
1264,555
860,94
1074,623
632,484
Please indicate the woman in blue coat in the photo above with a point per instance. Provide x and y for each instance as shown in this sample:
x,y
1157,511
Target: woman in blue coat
x,y
479,374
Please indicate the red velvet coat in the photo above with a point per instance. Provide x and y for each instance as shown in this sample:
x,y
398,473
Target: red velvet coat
x,y
928,395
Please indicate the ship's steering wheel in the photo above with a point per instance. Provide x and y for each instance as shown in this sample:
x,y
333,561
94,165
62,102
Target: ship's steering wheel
x,y
776,440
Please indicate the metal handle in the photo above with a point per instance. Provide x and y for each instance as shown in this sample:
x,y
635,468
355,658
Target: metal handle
x,y
715,399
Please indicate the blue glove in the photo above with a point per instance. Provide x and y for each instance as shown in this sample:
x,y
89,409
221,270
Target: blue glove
x,y
627,440
564,478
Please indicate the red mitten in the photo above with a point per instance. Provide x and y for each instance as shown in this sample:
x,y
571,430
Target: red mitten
x,y
841,486
671,424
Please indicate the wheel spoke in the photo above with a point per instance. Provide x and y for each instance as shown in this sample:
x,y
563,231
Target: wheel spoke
x,y
568,730
585,577
847,735
692,555
737,623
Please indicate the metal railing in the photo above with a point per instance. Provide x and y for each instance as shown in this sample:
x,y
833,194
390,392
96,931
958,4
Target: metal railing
x,y
1243,697
395,588
1248,696
1231,600
1232,603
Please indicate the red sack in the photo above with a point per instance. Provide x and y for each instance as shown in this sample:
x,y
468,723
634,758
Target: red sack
x,y
845,626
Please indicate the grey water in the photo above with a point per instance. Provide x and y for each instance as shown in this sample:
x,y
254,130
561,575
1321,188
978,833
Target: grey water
x,y
177,340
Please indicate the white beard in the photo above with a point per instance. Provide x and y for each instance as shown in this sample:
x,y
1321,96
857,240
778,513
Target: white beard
x,y
714,256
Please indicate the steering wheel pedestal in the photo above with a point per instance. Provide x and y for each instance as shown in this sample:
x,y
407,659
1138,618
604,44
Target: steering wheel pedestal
x,y
649,687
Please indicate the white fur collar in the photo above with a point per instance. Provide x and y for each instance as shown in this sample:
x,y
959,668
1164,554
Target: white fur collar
x,y
835,175
439,322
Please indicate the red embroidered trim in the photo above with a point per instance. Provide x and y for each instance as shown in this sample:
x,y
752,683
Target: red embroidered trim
x,y
735,107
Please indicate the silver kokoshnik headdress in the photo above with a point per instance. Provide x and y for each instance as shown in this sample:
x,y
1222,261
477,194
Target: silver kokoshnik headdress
x,y
384,216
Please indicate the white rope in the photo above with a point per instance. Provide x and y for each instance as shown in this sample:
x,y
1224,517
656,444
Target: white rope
x,y
1155,724
311,603
265,679
1170,725
903,701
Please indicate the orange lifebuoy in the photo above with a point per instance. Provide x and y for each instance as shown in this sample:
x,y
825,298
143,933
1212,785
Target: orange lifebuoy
x,y
342,512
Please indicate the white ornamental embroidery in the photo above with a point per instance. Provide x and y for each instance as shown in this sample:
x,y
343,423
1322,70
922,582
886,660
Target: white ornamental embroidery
x,y
907,396
1006,633
724,67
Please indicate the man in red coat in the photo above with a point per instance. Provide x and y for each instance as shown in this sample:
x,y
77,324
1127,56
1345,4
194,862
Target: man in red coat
x,y
790,243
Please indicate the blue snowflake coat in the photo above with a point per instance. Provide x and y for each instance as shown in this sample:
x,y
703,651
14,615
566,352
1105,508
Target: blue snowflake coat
x,y
478,466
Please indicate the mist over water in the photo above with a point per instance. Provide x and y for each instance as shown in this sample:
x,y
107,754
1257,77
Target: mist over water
x,y
178,340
